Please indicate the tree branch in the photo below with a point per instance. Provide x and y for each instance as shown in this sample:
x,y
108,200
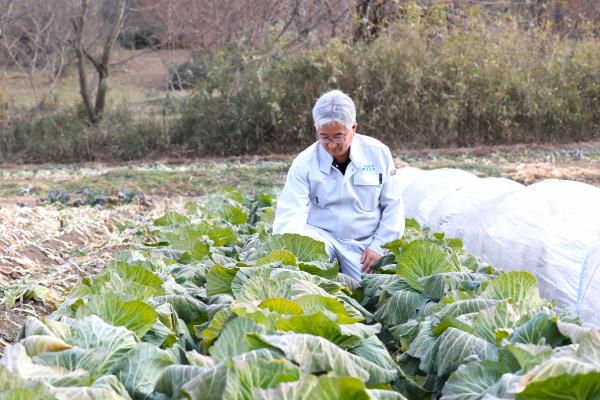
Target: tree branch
x,y
91,59
104,64
293,15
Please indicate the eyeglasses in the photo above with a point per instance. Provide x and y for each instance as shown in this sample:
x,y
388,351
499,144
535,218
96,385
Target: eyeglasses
x,y
336,140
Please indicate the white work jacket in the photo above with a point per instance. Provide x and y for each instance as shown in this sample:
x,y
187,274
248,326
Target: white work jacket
x,y
364,204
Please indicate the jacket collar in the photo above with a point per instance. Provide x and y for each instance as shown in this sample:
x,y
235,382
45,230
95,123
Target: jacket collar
x,y
356,156
356,151
325,159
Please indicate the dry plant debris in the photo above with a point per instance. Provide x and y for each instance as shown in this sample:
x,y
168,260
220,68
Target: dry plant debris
x,y
529,173
44,251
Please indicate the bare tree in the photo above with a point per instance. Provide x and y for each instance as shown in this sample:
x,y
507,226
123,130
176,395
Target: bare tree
x,y
34,40
93,43
206,24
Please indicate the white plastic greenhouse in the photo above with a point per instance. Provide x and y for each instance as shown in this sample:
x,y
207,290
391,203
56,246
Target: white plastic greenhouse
x,y
551,228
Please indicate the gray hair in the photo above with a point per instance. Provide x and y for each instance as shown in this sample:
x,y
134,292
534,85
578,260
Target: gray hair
x,y
334,106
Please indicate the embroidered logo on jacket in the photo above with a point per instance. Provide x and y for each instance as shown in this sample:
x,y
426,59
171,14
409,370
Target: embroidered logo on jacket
x,y
368,168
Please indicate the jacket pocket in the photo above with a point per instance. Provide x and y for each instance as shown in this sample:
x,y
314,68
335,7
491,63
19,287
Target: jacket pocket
x,y
367,187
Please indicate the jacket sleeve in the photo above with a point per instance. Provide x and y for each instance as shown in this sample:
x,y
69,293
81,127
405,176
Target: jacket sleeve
x,y
293,203
391,225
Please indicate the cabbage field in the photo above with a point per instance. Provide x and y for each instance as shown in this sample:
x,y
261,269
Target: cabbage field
x,y
208,304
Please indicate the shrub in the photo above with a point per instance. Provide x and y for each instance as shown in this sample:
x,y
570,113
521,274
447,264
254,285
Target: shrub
x,y
421,84
65,136
424,82
139,40
186,75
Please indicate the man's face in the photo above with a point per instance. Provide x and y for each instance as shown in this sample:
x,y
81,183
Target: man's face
x,y
338,138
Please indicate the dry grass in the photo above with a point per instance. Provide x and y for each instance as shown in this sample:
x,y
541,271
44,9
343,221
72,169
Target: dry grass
x,y
528,173
136,76
524,164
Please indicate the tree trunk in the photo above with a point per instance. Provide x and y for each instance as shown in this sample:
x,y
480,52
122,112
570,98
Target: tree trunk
x,y
103,67
369,19
78,26
95,111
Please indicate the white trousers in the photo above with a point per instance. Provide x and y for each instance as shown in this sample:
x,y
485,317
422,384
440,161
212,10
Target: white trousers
x,y
346,251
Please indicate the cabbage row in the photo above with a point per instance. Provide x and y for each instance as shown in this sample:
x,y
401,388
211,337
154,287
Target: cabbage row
x,y
461,330
209,305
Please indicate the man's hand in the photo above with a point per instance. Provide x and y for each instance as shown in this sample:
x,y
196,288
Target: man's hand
x,y
369,258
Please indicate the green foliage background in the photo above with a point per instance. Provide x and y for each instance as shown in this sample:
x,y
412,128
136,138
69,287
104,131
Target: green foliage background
x,y
422,83
419,85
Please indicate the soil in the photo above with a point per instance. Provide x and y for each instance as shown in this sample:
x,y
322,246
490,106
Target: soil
x,y
477,151
12,320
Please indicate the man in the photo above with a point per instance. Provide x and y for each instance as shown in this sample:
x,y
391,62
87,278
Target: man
x,y
342,190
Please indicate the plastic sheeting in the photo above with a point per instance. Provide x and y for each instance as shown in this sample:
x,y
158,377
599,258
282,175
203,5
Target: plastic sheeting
x,y
551,229
406,176
429,187
452,211
588,291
